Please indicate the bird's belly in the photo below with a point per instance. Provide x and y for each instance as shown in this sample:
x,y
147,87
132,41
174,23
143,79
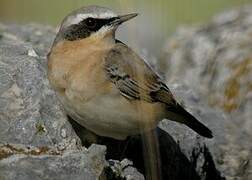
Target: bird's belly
x,y
106,115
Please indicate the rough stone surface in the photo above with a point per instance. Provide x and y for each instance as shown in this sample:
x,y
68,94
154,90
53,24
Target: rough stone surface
x,y
124,169
85,164
29,111
216,61
204,154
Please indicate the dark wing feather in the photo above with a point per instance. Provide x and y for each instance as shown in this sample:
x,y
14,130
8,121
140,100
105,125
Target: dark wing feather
x,y
134,77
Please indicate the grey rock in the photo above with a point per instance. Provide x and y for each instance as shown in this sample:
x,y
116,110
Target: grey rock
x,y
85,164
125,170
215,60
204,154
29,111
39,36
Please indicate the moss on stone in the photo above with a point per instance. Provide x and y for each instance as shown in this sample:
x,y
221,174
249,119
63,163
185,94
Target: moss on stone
x,y
9,150
232,93
40,128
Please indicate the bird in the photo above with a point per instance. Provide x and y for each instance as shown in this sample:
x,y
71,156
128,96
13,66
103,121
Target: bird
x,y
103,84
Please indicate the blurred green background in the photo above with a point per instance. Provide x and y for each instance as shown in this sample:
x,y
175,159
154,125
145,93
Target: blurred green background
x,y
157,19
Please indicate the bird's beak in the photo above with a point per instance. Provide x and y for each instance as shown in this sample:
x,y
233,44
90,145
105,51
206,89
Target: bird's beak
x,y
127,17
123,18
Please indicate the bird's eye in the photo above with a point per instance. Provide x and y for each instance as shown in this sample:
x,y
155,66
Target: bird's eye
x,y
90,22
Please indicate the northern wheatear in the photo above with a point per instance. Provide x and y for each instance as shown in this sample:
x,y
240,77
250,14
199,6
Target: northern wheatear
x,y
103,84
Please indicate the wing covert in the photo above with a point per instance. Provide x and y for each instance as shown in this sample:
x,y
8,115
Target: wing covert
x,y
134,77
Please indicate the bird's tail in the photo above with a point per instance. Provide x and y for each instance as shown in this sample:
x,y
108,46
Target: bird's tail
x,y
179,114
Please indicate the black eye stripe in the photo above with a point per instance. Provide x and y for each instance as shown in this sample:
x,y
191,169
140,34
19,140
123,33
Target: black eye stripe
x,y
85,28
98,22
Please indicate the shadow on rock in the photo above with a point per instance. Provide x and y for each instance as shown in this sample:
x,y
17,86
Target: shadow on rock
x,y
175,164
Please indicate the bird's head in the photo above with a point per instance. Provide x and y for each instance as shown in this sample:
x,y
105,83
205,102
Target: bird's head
x,y
91,22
